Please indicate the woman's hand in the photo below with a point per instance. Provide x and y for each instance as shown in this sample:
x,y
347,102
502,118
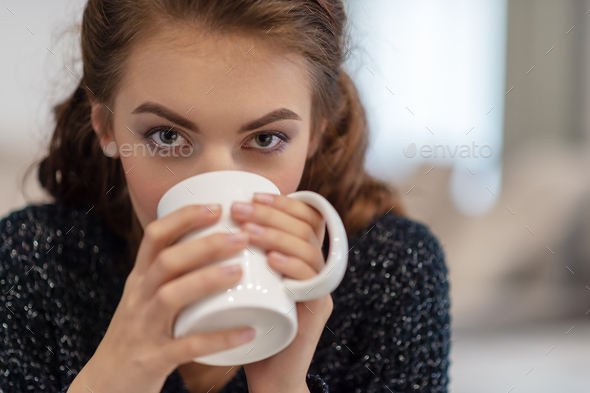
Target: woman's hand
x,y
138,351
295,231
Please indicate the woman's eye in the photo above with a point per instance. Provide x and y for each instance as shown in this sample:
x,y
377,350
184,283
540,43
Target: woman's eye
x,y
266,141
168,138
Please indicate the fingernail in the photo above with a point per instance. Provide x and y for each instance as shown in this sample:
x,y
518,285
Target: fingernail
x,y
237,237
244,208
214,209
231,270
264,198
254,228
280,258
248,334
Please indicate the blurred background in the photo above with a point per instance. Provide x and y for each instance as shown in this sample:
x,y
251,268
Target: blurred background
x,y
478,116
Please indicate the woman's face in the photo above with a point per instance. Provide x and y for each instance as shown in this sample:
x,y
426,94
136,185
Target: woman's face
x,y
193,105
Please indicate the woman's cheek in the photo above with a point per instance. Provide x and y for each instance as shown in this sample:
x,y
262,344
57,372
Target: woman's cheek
x,y
289,176
146,190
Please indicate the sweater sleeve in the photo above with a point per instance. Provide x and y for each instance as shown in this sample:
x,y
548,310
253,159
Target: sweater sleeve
x,y
29,346
406,321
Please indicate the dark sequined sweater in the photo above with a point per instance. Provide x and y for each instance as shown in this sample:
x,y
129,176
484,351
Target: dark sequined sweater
x,y
389,330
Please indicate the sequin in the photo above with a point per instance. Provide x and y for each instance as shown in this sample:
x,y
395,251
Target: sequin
x,y
389,331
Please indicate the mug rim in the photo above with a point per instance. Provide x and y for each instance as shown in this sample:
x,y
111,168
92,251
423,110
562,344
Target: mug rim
x,y
223,172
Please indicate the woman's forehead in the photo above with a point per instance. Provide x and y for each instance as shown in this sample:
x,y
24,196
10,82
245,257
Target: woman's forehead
x,y
243,81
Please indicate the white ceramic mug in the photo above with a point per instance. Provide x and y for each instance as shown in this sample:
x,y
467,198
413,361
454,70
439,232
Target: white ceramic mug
x,y
263,299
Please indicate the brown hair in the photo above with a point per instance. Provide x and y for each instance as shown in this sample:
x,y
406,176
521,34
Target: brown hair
x,y
77,171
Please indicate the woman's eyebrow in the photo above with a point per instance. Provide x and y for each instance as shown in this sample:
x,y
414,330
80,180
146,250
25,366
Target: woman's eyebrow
x,y
159,110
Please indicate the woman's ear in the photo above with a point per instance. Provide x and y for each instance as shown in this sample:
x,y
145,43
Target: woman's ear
x,y
315,139
105,136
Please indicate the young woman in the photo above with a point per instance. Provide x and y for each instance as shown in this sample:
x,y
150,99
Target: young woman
x,y
92,283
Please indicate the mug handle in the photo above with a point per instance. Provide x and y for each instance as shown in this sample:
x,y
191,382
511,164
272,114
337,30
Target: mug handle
x,y
333,271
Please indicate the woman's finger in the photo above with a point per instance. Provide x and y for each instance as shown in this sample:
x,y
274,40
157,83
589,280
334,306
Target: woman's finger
x,y
285,243
162,232
181,258
183,349
293,207
272,217
175,295
290,267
